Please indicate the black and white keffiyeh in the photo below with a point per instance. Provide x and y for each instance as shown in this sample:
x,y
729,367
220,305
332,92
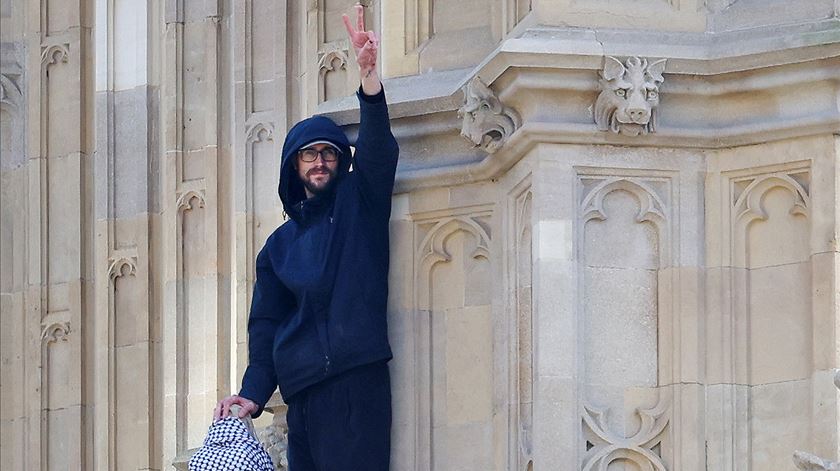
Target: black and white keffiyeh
x,y
230,446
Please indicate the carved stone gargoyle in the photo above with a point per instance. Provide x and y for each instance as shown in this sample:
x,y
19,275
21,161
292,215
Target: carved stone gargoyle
x,y
487,123
629,96
809,462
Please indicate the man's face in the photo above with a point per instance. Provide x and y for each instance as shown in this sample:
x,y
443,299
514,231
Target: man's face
x,y
319,175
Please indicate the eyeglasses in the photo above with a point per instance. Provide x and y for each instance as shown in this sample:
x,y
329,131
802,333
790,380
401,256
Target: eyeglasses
x,y
329,154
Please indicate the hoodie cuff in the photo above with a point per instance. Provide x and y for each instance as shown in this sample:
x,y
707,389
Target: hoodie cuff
x,y
250,397
378,98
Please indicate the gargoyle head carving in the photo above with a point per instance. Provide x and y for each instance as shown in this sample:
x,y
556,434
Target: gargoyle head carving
x,y
487,123
629,96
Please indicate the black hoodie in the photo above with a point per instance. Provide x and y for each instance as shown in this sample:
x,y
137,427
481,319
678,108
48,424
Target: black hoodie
x,y
319,303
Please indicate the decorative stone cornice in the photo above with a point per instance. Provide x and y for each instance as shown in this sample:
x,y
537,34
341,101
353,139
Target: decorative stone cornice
x,y
551,77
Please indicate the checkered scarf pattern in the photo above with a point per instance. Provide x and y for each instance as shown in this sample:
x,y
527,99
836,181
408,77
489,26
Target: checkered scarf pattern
x,y
230,446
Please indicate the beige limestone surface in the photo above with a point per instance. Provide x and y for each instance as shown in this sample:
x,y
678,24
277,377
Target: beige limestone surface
x,y
648,285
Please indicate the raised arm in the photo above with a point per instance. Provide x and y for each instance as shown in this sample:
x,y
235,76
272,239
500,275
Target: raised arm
x,y
376,149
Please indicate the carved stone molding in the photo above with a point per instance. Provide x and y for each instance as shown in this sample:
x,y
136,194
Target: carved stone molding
x,y
55,331
431,251
122,266
487,123
653,207
325,62
629,95
642,448
748,206
331,60
432,248
185,200
54,54
259,132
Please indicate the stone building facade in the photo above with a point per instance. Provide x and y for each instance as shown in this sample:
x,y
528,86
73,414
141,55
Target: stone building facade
x,y
614,235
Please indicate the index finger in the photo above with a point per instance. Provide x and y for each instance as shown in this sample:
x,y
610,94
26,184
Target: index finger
x,y
347,25
360,17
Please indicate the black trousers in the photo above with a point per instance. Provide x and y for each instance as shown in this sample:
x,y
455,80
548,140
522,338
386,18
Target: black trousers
x,y
342,423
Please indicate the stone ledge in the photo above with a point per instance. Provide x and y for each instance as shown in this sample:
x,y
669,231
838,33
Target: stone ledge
x,y
720,90
705,54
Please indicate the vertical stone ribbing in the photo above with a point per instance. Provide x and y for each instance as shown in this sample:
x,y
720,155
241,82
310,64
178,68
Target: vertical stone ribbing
x,y
195,322
59,300
125,159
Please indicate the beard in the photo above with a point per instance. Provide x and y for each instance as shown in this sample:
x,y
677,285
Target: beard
x,y
317,188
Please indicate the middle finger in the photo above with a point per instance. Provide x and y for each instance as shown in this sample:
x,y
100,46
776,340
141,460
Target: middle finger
x,y
360,17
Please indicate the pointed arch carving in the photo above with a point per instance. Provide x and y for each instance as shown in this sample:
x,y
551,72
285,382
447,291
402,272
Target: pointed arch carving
x,y
55,331
259,132
432,249
605,443
185,200
122,266
325,66
54,54
652,208
749,207
325,62
430,252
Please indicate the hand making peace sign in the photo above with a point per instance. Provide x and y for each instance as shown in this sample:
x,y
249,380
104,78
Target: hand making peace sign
x,y
365,43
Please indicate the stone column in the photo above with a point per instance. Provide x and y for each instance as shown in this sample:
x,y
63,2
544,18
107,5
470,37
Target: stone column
x,y
59,324
127,207
195,220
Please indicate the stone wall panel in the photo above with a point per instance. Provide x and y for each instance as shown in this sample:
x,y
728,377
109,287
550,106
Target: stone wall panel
x,y
768,331
192,222
625,222
454,410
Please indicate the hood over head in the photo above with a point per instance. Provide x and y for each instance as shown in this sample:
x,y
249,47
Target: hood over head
x,y
308,131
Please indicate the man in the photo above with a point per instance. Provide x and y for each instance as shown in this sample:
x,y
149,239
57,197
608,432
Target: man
x,y
317,326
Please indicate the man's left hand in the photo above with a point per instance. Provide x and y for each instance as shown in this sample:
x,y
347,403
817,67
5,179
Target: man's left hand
x,y
366,46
